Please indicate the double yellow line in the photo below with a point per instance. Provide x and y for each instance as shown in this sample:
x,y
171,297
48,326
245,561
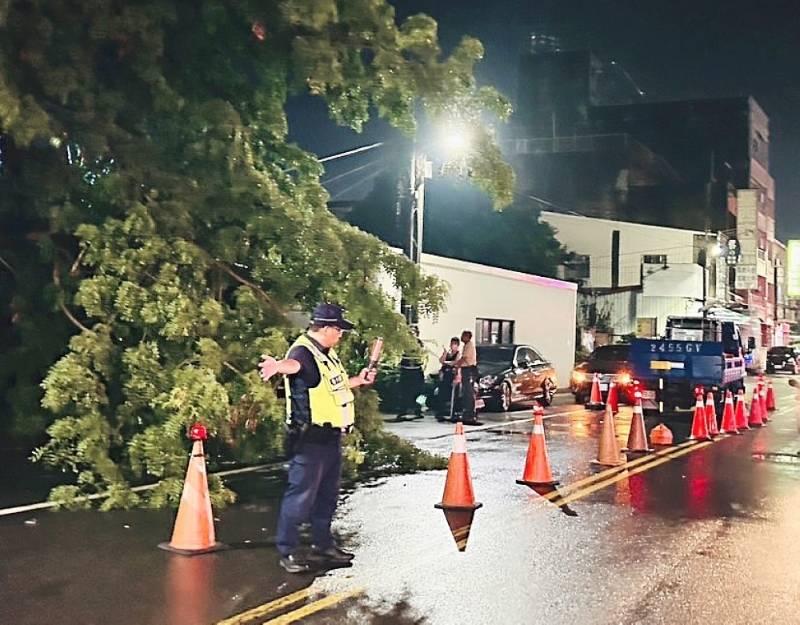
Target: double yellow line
x,y
597,481
281,603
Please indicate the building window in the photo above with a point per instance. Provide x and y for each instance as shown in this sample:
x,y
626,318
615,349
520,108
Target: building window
x,y
654,259
577,268
494,331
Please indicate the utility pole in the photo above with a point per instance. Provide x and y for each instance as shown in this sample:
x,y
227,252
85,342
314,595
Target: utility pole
x,y
416,213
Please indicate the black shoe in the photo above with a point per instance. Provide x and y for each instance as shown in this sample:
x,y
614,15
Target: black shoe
x,y
332,554
292,564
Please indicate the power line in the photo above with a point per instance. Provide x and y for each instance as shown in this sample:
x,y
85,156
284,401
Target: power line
x,y
351,171
366,178
363,148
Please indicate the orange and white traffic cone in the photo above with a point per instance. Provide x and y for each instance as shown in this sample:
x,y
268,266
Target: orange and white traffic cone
x,y
458,494
771,404
596,397
613,397
755,420
537,464
728,416
637,436
608,454
661,435
711,415
762,398
699,422
741,412
193,533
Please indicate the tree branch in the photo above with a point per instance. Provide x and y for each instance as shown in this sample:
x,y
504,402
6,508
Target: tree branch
x,y
228,365
247,283
8,266
72,317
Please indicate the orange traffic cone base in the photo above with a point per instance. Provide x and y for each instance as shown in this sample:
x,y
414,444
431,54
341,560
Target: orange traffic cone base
x,y
443,506
646,450
192,552
534,484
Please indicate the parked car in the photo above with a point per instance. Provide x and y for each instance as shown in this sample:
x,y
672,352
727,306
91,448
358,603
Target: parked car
x,y
513,373
611,363
783,359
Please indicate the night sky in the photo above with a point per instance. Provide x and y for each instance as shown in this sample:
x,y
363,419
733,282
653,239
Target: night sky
x,y
672,49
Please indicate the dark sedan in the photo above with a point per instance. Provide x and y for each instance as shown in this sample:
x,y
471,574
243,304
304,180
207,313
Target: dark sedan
x,y
514,373
611,363
783,360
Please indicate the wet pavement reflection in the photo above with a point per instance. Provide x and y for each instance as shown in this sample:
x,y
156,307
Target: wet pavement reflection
x,y
658,532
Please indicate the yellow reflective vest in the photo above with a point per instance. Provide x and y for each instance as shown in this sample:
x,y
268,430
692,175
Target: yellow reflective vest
x,y
331,401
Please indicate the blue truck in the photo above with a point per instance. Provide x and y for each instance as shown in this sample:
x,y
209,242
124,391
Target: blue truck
x,y
696,355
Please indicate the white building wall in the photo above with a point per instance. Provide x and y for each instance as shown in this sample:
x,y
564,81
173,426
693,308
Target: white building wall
x,y
592,237
543,309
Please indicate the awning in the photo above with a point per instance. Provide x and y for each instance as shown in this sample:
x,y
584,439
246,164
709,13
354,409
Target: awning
x,y
725,314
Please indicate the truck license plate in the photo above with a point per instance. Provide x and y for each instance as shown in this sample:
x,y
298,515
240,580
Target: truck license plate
x,y
648,394
603,386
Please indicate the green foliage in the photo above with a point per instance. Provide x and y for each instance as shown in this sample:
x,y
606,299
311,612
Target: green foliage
x,y
371,448
159,212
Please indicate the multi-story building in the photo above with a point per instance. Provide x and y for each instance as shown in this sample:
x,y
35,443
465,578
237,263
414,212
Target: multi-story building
x,y
696,164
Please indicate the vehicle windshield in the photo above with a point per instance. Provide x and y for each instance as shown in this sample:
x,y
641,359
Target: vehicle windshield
x,y
495,355
612,353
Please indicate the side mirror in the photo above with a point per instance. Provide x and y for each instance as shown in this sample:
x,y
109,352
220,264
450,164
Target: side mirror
x,y
536,363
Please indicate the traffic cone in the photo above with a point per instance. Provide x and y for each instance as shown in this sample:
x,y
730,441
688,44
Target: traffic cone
x,y
699,422
609,454
755,419
637,436
193,533
613,398
741,412
661,435
458,494
771,404
762,398
596,398
537,465
728,416
711,415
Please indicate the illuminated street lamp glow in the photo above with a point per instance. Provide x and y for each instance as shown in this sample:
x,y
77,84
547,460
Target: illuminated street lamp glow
x,y
455,140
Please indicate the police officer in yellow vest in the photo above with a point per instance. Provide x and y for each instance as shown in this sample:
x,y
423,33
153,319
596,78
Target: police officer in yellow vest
x,y
319,406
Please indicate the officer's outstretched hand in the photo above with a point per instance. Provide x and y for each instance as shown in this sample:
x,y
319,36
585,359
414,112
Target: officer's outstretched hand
x,y
268,367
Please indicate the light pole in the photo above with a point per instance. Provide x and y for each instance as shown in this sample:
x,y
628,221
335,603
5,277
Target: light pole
x,y
713,250
453,142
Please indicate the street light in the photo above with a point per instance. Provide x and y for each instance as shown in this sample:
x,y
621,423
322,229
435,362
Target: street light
x,y
453,142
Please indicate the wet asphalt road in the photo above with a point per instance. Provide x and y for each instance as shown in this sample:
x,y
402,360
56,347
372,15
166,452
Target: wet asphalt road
x,y
707,534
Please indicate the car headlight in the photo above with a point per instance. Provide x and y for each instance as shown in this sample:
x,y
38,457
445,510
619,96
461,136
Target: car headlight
x,y
579,377
487,381
624,379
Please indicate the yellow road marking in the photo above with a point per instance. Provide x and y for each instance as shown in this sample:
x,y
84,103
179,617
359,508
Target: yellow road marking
x,y
313,608
620,469
659,461
266,608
